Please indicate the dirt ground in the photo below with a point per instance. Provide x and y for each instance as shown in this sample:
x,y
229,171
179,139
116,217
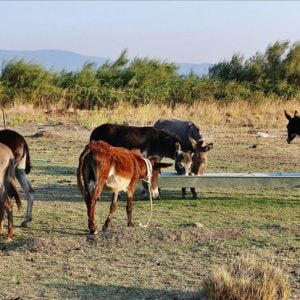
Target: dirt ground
x,y
55,257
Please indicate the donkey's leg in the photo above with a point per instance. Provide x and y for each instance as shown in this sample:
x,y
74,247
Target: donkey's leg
x,y
91,215
91,205
9,209
14,192
2,214
193,190
145,192
92,199
29,192
129,206
113,207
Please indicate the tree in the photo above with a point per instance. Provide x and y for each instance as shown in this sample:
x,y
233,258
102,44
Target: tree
x,y
292,65
274,61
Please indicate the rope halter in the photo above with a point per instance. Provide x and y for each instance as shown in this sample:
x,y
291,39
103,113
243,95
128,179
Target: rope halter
x,y
147,179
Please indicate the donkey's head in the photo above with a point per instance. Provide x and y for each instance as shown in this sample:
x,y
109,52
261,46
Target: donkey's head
x,y
156,171
183,161
193,163
293,127
200,158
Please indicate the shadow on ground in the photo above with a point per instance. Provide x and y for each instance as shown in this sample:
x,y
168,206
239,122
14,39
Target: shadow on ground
x,y
58,192
16,244
70,193
67,192
94,291
55,170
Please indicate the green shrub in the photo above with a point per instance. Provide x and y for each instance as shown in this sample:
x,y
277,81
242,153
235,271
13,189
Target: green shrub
x,y
141,81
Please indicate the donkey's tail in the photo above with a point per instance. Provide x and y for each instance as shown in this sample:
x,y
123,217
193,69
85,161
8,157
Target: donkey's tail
x,y
28,165
11,183
4,120
80,170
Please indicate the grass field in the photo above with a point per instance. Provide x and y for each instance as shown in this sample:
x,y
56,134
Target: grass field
x,y
55,258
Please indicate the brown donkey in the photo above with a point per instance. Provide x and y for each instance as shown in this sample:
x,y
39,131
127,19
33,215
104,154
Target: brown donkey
x,y
113,169
197,160
19,147
7,188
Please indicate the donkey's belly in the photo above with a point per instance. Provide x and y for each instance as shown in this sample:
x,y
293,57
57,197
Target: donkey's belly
x,y
115,183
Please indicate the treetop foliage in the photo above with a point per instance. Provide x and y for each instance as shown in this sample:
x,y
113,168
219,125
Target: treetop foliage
x,y
278,67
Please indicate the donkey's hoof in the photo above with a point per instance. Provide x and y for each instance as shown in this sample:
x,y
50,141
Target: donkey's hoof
x,y
24,224
93,232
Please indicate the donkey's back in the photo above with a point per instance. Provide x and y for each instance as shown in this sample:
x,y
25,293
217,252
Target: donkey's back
x,y
19,147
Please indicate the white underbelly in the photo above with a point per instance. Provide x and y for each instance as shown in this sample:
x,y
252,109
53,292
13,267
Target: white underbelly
x,y
115,183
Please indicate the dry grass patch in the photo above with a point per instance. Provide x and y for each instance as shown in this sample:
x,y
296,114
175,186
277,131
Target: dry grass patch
x,y
268,114
247,278
264,114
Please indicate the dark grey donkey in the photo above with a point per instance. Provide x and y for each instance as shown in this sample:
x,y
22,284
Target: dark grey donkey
x,y
193,162
185,130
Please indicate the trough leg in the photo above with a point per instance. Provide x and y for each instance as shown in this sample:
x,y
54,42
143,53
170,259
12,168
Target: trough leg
x,y
113,207
183,193
29,192
129,208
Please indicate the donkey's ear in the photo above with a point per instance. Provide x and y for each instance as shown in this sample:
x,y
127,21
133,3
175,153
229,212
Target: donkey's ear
x,y
208,147
178,146
296,114
200,143
153,159
287,115
161,165
193,142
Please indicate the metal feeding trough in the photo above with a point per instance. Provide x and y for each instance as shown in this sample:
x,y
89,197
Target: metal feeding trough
x,y
231,180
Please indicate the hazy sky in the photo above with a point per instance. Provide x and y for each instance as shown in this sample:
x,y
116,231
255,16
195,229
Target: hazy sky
x,y
182,31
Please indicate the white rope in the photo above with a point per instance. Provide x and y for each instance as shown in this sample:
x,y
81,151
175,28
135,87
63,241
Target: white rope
x,y
148,181
149,170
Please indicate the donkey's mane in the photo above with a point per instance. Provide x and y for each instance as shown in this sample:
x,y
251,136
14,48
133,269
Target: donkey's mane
x,y
104,148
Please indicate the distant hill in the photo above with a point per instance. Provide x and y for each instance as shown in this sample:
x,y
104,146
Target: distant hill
x,y
51,59
71,61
